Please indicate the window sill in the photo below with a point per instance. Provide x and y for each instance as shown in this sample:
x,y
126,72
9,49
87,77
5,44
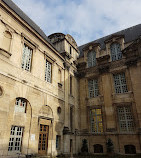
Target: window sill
x,y
5,53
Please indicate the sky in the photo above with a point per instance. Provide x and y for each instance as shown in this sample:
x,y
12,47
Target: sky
x,y
85,20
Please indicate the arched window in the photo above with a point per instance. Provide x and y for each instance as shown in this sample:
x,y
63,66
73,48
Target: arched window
x,y
116,53
6,41
20,105
130,149
91,59
98,148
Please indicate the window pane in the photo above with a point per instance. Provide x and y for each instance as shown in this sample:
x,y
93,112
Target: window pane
x,y
93,88
15,139
120,83
125,119
20,105
96,121
116,53
48,71
91,59
26,58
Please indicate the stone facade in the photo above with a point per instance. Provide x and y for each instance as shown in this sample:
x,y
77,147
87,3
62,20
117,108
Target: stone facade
x,y
46,106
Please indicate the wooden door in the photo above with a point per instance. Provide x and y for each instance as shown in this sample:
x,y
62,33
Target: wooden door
x,y
43,139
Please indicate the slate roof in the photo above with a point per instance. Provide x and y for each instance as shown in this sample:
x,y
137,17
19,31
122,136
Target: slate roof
x,y
31,23
130,34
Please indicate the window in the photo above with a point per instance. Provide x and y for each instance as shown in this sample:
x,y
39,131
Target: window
x,y
58,141
6,43
130,149
126,123
20,105
98,148
70,85
70,50
91,59
93,88
59,76
71,118
15,139
116,53
120,83
48,71
96,121
26,58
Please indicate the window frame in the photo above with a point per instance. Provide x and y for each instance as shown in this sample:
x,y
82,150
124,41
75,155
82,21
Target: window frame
x,y
46,72
98,130
17,108
119,88
93,89
14,136
58,142
117,55
91,58
125,120
31,47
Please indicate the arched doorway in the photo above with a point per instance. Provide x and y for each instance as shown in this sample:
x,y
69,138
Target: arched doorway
x,y
45,120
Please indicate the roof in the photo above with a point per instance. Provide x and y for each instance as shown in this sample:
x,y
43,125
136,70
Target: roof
x,y
31,23
130,34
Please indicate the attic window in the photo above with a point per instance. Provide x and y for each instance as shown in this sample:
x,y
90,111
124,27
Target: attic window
x,y
116,53
91,59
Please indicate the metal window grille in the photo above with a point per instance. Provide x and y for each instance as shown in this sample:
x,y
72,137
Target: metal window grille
x,y
15,139
116,53
91,59
26,58
125,117
120,83
93,88
96,121
20,105
48,71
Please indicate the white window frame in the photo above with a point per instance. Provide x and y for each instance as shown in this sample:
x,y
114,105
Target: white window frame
x,y
96,124
116,53
93,88
91,58
27,57
120,83
48,71
125,119
15,139
20,105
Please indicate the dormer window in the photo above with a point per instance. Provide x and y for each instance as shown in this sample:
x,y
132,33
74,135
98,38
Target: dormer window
x,y
116,53
91,58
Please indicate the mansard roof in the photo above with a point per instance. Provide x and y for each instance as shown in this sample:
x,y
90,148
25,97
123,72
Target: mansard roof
x,y
30,22
129,34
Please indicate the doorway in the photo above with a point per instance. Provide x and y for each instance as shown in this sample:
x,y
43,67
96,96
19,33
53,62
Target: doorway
x,y
43,139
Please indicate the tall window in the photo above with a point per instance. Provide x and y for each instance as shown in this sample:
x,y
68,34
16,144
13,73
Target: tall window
x,y
120,83
15,139
71,118
26,58
70,85
20,105
116,53
48,71
58,142
96,121
91,59
70,50
93,88
125,117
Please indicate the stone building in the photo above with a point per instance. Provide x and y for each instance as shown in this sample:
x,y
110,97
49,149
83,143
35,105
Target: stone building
x,y
54,94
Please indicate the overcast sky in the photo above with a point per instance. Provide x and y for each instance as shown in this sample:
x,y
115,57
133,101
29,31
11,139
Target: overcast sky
x,y
85,20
